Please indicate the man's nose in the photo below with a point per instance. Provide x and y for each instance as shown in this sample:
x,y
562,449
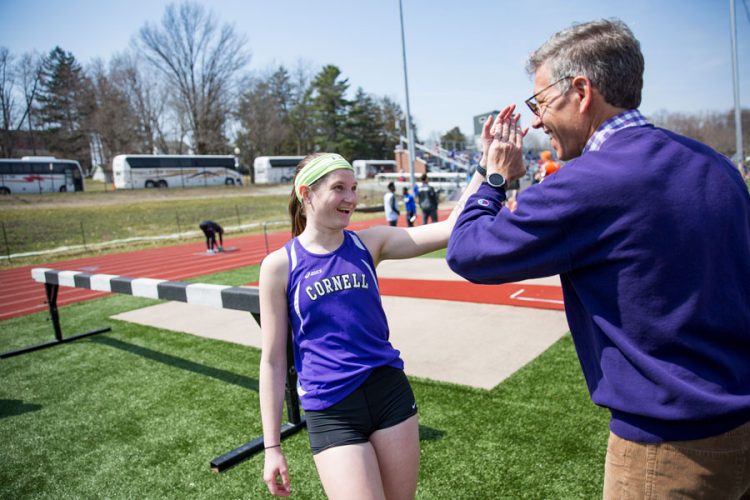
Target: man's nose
x,y
536,122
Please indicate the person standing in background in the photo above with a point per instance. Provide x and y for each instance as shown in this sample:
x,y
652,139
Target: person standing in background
x,y
428,200
390,204
410,207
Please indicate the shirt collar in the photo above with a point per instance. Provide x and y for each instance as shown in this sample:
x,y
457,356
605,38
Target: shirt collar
x,y
628,118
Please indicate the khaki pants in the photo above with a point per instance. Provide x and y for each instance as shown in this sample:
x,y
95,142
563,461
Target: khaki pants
x,y
717,468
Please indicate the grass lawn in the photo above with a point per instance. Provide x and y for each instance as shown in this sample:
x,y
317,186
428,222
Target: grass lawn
x,y
139,413
39,222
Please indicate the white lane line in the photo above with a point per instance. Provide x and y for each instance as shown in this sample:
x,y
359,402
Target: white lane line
x,y
517,296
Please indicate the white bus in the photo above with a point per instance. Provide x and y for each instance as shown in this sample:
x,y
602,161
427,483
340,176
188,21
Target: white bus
x,y
275,169
41,174
162,171
447,182
367,169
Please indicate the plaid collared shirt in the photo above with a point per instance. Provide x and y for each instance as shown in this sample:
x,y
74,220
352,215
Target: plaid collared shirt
x,y
628,118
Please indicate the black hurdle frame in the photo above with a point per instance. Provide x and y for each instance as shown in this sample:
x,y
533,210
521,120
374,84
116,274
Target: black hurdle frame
x,y
223,462
295,424
51,290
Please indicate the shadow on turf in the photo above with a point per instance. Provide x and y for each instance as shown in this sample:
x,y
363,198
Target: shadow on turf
x,y
13,407
167,359
425,433
430,433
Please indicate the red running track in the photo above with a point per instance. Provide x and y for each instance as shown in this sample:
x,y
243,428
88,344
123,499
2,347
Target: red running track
x,y
20,295
510,294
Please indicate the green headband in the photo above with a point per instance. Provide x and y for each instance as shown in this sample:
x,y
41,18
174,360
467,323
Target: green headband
x,y
317,168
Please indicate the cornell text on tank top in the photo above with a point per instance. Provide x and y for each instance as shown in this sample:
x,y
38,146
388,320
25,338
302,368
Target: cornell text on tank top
x,y
339,330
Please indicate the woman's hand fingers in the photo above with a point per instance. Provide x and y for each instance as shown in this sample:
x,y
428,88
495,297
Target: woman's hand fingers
x,y
487,126
276,476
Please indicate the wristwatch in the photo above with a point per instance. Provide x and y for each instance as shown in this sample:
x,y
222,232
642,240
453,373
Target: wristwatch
x,y
494,179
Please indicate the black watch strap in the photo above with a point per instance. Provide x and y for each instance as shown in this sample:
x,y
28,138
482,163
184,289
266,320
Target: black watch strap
x,y
496,180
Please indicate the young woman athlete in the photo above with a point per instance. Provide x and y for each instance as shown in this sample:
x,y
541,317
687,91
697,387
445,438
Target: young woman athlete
x,y
360,410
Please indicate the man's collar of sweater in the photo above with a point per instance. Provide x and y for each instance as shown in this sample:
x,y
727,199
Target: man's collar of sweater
x,y
628,118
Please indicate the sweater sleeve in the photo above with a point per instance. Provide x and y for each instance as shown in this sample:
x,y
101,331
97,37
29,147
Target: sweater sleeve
x,y
490,244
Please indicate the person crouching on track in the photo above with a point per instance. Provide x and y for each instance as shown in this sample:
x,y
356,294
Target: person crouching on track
x,y
360,409
211,229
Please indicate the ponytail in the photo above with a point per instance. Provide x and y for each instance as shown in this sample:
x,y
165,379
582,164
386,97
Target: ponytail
x,y
296,208
297,214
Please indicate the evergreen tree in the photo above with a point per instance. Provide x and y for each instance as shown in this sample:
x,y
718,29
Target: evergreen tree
x,y
330,108
65,103
453,139
363,138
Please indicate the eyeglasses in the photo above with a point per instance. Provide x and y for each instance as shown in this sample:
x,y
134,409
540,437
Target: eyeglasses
x,y
532,103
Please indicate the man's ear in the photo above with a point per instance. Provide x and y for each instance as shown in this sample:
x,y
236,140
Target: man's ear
x,y
584,90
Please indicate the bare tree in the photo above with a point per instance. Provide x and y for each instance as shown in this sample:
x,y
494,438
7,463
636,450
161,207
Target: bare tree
x,y
200,61
714,128
7,106
258,113
20,81
300,113
114,118
147,97
29,73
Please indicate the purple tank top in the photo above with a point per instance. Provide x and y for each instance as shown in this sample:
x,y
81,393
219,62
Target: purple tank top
x,y
339,330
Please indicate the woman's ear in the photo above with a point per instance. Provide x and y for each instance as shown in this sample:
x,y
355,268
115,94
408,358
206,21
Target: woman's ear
x,y
304,191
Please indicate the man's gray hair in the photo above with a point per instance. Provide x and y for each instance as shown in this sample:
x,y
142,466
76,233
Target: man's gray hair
x,y
605,51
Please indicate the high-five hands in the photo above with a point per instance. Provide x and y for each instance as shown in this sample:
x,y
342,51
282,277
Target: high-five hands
x,y
505,151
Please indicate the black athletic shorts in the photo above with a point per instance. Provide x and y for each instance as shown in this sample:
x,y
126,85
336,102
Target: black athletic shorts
x,y
383,400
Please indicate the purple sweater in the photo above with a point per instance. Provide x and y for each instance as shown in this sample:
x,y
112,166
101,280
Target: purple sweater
x,y
651,238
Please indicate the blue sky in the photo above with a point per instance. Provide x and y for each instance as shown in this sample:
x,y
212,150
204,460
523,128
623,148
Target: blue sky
x,y
464,58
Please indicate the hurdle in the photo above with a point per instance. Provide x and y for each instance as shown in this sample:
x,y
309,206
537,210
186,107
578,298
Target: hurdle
x,y
218,296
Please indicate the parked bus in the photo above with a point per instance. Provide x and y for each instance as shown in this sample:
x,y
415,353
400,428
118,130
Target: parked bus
x,y
275,169
447,182
41,174
367,169
162,171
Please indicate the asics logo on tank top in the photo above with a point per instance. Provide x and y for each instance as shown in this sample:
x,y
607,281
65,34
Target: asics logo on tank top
x,y
336,283
313,273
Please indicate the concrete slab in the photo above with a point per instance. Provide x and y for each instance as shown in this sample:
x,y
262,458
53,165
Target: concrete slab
x,y
471,344
204,321
479,345
458,342
436,269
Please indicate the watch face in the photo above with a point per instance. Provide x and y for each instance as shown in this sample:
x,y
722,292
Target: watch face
x,y
496,180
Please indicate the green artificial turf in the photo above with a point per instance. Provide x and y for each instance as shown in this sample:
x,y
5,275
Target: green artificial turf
x,y
140,412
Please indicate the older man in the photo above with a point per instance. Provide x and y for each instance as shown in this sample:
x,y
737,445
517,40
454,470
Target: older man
x,y
650,234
